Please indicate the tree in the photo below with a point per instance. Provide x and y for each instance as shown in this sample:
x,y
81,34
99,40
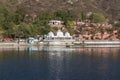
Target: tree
x,y
83,16
97,18
64,15
70,26
26,30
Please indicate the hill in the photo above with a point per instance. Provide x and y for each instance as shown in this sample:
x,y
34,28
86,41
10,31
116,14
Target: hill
x,y
24,18
108,7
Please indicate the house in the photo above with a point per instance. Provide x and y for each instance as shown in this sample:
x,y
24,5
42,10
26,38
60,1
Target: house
x,y
55,22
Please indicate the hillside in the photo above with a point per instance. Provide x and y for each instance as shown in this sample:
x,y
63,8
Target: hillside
x,y
111,8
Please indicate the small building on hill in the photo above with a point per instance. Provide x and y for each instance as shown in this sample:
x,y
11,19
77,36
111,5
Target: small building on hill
x,y
56,23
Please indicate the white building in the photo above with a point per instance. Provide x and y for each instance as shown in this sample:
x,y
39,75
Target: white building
x,y
56,23
58,36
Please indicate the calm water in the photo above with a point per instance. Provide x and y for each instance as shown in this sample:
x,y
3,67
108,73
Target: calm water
x,y
59,63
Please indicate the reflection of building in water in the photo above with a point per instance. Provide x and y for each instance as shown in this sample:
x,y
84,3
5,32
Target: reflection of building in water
x,y
31,48
98,52
57,48
56,62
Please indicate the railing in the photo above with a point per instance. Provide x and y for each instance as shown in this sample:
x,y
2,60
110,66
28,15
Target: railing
x,y
59,39
101,42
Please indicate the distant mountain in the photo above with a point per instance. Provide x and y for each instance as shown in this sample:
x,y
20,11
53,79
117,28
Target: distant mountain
x,y
111,8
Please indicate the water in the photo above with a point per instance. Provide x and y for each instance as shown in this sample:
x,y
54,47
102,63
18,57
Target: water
x,y
59,63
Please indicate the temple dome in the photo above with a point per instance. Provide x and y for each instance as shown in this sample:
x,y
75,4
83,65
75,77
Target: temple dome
x,y
50,34
67,34
59,33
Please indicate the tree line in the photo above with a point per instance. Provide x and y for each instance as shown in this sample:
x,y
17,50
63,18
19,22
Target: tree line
x,y
16,23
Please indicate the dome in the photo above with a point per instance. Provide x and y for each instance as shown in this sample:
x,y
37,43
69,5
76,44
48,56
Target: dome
x,y
50,34
67,34
59,33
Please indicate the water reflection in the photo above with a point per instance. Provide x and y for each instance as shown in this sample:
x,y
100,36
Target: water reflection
x,y
57,57
95,60
56,64
60,63
101,52
59,50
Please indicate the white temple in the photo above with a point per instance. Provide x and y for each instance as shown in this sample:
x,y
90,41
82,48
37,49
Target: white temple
x,y
59,33
50,34
59,36
67,34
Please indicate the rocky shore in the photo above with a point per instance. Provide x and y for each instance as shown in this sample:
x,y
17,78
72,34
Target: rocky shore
x,y
96,31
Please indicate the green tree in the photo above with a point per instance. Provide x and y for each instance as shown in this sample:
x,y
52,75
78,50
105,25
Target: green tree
x,y
97,18
26,30
83,16
70,26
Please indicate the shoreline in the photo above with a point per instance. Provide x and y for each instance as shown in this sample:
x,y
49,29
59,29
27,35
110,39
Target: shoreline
x,y
75,43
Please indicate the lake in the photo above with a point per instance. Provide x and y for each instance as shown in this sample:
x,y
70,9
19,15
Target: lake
x,y
59,63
